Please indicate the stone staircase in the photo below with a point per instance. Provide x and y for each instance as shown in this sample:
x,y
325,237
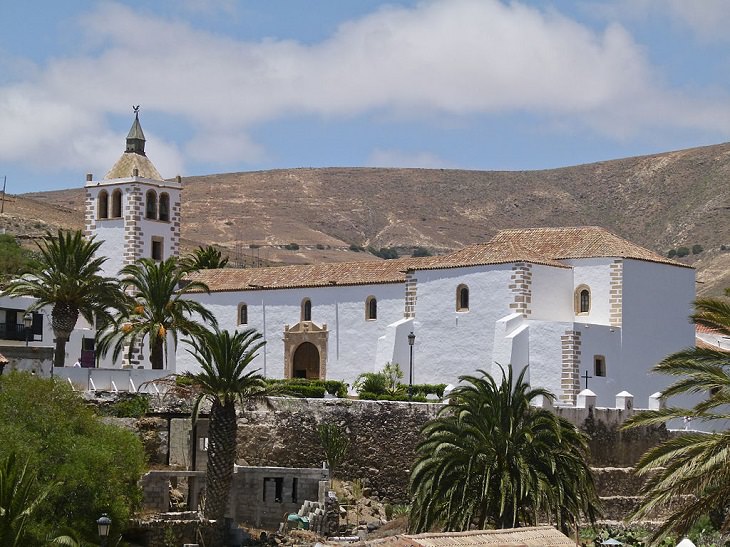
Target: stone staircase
x,y
618,489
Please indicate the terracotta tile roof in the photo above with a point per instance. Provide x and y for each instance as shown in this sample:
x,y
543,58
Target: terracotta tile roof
x,y
535,536
579,242
129,161
538,246
364,273
310,275
499,252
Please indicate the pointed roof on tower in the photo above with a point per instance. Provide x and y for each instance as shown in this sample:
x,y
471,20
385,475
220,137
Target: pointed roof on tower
x,y
135,138
134,156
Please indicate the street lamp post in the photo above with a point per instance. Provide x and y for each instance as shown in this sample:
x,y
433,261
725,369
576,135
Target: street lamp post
x,y
411,341
103,525
27,323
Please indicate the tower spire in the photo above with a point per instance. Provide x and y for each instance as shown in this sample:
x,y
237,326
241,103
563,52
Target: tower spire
x,y
135,138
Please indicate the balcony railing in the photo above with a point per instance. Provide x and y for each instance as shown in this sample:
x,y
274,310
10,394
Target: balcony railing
x,y
14,331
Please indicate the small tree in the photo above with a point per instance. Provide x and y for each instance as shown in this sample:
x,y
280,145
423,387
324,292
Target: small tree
x,y
697,249
682,251
334,443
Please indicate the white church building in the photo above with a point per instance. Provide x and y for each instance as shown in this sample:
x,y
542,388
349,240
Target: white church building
x,y
577,304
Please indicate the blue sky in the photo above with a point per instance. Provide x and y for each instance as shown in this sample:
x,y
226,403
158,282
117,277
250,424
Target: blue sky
x,y
231,85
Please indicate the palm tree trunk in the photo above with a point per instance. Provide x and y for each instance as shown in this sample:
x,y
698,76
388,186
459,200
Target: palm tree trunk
x,y
221,458
59,354
156,354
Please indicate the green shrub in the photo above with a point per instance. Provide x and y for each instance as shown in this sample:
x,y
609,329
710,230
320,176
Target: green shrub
x,y
308,391
388,508
320,246
672,253
96,465
356,248
336,388
129,406
401,510
291,247
682,251
313,389
183,380
426,389
421,251
371,382
697,249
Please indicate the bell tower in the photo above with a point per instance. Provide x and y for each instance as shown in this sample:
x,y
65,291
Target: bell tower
x,y
132,210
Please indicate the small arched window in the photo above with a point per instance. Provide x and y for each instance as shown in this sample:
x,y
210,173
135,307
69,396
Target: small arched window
x,y
117,204
151,205
371,308
306,309
462,298
582,300
165,207
242,314
103,204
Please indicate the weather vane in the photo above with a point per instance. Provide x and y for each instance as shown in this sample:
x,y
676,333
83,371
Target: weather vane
x,y
136,109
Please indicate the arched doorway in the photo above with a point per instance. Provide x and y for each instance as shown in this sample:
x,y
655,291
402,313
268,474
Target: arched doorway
x,y
306,361
305,351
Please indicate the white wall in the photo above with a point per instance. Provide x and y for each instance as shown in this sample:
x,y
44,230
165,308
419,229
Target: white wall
x,y
596,273
450,343
605,341
352,341
546,354
552,293
657,302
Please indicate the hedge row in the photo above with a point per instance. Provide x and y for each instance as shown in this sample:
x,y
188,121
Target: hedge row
x,y
312,388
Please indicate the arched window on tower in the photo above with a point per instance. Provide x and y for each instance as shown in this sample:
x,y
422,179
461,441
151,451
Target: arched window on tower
x,y
306,309
462,298
103,209
242,314
371,308
582,300
151,205
117,204
165,207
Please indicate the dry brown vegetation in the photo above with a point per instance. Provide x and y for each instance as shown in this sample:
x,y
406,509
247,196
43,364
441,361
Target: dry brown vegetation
x,y
662,201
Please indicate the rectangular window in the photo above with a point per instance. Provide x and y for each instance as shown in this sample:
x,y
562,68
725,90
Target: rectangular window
x,y
294,484
599,365
157,248
278,488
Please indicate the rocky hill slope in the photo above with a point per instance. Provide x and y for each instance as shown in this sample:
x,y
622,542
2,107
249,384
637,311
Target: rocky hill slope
x,y
662,201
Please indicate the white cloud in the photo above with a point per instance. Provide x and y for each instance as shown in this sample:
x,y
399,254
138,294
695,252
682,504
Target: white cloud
x,y
707,19
399,158
453,58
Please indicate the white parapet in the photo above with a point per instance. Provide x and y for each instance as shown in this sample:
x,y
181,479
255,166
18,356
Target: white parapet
x,y
624,401
586,399
655,401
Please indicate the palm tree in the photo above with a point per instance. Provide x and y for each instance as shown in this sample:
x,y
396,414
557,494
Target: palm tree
x,y
205,258
19,499
489,458
224,381
155,306
689,475
68,278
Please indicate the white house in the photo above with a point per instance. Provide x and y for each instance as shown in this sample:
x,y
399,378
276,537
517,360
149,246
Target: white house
x,y
577,304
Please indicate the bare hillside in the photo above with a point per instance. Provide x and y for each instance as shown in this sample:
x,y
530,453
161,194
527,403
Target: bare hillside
x,y
662,201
